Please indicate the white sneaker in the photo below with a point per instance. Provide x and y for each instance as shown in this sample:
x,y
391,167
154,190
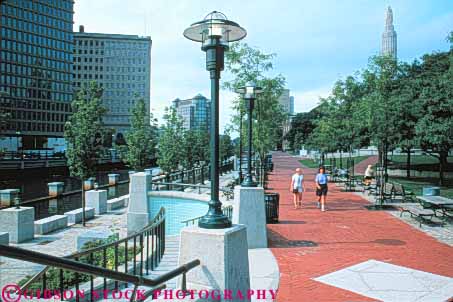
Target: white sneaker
x,y
318,205
322,208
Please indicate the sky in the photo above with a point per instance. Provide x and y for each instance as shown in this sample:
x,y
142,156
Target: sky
x,y
315,42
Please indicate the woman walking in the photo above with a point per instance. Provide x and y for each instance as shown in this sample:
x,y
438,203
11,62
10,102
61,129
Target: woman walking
x,y
297,187
321,187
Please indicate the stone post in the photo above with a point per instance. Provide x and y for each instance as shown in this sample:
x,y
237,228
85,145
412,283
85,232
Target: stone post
x,y
249,209
223,255
7,196
97,199
88,184
138,212
113,179
19,223
55,188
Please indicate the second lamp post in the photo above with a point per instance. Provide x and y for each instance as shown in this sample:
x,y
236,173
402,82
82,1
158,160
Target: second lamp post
x,y
249,93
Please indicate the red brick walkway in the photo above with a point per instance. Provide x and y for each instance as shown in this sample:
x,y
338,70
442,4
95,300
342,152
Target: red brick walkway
x,y
345,235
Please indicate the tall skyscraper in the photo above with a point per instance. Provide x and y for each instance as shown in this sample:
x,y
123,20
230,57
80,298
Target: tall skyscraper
x,y
35,72
121,64
195,112
389,41
285,101
291,105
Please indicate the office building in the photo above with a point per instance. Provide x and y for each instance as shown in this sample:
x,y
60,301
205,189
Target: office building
x,y
121,64
35,73
195,112
389,39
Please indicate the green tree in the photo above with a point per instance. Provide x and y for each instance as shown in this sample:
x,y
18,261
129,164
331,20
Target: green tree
x,y
435,127
247,64
226,146
171,142
81,132
141,139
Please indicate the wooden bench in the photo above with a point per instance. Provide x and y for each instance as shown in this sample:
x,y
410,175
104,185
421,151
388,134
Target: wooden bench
x,y
400,193
416,210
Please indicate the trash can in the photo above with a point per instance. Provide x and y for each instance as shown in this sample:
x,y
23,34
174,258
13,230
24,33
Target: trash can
x,y
431,191
271,201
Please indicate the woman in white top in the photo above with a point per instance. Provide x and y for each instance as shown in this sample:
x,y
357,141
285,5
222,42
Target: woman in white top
x,y
297,187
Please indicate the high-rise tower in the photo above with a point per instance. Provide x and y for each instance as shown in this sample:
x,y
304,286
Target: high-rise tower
x,y
389,36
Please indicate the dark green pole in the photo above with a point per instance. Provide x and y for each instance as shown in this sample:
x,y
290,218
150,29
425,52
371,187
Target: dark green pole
x,y
214,219
248,180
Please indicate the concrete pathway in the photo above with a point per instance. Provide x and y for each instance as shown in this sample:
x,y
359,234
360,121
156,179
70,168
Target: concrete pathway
x,y
360,167
311,245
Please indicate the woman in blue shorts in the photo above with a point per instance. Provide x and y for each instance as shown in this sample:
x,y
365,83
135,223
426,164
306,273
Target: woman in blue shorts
x,y
321,187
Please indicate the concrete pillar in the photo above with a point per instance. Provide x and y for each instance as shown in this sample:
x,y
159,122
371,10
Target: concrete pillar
x,y
249,210
55,188
88,184
97,199
7,196
113,179
224,267
19,223
138,212
130,173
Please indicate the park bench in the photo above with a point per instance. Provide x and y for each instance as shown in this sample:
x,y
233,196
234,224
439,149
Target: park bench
x,y
400,193
387,191
415,210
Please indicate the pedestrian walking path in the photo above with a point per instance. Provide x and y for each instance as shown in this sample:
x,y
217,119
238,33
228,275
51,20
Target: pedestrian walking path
x,y
349,253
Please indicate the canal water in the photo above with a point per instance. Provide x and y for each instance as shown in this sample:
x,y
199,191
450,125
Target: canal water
x,y
33,186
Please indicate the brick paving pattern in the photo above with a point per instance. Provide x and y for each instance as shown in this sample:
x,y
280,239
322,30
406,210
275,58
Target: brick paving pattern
x,y
308,243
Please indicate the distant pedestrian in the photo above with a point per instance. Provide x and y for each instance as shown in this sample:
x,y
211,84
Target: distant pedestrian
x,y
321,187
297,187
369,175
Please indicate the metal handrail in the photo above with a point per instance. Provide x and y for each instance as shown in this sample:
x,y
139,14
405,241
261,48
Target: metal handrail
x,y
157,220
68,264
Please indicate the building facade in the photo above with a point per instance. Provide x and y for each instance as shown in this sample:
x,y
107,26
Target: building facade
x,y
121,65
285,101
389,39
195,112
36,42
291,105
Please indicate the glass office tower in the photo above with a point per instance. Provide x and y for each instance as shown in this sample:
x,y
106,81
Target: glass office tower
x,y
35,73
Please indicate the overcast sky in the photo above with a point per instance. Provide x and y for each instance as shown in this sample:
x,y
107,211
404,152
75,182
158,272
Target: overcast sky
x,y
316,42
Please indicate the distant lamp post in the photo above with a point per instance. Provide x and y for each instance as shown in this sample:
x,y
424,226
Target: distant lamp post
x,y
215,32
17,202
249,93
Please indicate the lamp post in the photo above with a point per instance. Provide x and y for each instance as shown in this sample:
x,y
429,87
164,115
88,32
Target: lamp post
x,y
241,113
249,93
215,32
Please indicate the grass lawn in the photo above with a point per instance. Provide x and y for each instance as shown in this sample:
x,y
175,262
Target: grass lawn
x,y
416,184
310,163
416,159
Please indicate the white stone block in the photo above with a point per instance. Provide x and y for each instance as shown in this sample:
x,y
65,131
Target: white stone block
x,y
116,203
50,224
75,216
97,199
113,179
223,255
19,223
7,197
249,210
138,208
55,188
4,238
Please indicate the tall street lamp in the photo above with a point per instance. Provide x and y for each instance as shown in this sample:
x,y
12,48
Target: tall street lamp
x,y
249,93
215,32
